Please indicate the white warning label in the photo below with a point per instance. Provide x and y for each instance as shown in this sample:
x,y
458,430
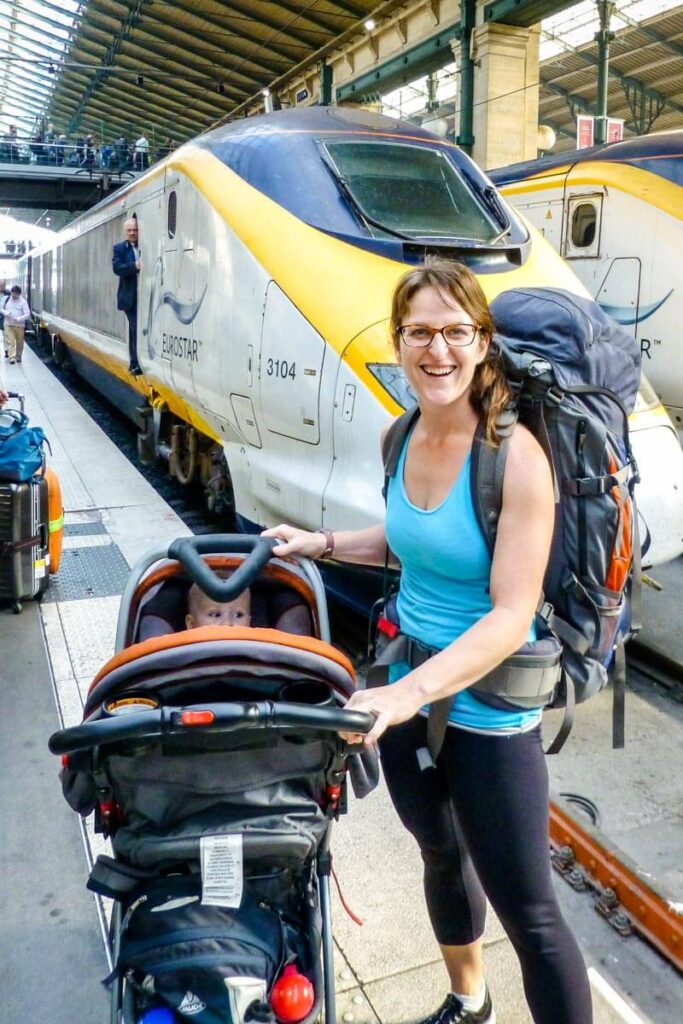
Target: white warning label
x,y
222,870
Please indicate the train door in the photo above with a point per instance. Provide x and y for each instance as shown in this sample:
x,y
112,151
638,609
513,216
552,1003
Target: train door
x,y
583,237
174,299
296,457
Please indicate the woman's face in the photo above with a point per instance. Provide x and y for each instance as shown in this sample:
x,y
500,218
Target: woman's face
x,y
440,373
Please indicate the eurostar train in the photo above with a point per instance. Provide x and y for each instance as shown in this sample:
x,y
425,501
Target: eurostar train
x,y
615,213
270,248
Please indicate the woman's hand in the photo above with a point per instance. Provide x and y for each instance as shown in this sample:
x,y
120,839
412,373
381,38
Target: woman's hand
x,y
391,705
296,542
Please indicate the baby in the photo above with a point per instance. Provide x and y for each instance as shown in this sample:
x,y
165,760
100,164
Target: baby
x,y
202,610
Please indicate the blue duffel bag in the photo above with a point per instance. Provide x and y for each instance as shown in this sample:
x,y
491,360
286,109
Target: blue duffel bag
x,y
21,447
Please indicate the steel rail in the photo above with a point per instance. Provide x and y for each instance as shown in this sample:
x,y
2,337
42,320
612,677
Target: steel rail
x,y
623,886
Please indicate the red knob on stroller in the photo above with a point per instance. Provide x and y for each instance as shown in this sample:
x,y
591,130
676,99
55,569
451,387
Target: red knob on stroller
x,y
292,997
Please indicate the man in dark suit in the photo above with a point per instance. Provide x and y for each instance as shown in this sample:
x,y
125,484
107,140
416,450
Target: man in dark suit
x,y
126,264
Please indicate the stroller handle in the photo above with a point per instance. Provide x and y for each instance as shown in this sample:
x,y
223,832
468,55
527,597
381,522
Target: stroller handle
x,y
188,551
214,718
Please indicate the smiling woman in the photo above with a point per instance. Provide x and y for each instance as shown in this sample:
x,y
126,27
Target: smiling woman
x,y
466,610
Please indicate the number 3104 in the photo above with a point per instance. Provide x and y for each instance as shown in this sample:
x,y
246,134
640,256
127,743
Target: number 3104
x,y
281,368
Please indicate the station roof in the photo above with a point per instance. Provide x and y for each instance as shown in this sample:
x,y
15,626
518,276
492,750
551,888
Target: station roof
x,y
645,68
173,68
170,68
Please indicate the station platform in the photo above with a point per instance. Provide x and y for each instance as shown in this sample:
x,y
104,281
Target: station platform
x,y
53,932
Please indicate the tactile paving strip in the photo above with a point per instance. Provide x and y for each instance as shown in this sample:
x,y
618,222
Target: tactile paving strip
x,y
87,572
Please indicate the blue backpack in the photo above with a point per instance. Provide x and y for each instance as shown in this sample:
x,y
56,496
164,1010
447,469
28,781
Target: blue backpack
x,y
574,376
21,447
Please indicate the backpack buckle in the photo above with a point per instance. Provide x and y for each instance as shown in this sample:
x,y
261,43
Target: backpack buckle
x,y
554,395
387,627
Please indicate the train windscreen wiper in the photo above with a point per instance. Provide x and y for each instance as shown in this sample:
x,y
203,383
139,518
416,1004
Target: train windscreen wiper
x,y
494,204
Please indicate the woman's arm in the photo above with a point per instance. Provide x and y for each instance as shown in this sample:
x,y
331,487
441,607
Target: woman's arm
x,y
366,546
521,554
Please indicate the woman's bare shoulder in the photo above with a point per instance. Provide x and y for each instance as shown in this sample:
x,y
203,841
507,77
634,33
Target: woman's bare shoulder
x,y
527,463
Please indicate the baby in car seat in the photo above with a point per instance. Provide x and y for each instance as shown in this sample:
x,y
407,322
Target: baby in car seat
x,y
202,610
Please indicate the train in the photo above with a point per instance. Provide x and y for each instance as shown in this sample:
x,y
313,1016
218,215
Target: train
x,y
270,248
615,214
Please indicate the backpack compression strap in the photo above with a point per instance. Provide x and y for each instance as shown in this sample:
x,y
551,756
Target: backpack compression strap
x,y
393,442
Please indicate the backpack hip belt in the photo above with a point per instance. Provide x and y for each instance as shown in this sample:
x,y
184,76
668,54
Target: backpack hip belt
x,y
525,680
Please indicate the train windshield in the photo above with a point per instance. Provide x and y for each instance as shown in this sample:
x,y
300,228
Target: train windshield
x,y
407,191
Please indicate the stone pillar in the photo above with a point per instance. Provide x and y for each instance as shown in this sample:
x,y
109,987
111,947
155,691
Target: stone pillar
x,y
505,94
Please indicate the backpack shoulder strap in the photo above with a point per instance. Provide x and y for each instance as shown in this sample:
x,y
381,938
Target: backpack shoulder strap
x,y
487,472
393,442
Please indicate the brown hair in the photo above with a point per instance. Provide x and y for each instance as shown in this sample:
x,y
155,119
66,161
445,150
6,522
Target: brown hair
x,y
489,392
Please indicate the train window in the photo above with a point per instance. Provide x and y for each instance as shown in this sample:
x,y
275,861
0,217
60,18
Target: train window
x,y
172,214
584,225
399,190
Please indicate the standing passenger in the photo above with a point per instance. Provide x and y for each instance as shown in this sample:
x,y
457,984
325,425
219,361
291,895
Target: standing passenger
x,y
126,265
16,314
4,296
480,812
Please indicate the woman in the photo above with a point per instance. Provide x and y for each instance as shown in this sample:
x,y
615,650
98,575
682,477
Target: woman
x,y
480,814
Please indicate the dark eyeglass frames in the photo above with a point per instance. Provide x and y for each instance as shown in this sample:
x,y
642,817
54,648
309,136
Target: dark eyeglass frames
x,y
455,335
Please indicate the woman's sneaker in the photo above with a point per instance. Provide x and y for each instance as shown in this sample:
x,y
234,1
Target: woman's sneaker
x,y
452,1011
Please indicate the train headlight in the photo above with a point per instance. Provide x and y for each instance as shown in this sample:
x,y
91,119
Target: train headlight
x,y
393,380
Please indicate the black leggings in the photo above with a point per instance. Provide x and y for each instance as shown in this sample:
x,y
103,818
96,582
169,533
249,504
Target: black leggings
x,y
481,821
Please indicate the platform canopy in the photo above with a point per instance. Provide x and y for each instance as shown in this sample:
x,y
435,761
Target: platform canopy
x,y
645,68
168,68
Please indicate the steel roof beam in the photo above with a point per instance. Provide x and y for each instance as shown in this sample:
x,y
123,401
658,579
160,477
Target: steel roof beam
x,y
317,18
25,99
524,13
213,51
168,111
29,86
126,27
354,10
32,41
245,12
40,43
157,73
384,10
205,19
668,44
171,112
149,20
626,81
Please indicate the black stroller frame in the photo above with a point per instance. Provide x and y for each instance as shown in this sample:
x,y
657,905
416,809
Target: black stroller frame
x,y
251,725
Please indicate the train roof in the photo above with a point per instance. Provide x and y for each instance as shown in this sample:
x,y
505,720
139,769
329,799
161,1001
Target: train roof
x,y
289,157
660,153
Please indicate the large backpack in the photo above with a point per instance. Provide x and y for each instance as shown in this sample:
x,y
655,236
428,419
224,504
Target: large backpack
x,y
574,374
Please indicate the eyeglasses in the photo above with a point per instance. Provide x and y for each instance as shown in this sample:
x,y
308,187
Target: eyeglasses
x,y
455,335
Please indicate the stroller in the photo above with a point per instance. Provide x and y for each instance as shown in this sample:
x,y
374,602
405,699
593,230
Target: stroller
x,y
211,758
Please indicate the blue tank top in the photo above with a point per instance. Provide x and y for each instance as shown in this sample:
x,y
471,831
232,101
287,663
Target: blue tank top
x,y
444,589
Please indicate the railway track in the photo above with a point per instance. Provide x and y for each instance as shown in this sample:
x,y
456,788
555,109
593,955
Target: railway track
x,y
627,897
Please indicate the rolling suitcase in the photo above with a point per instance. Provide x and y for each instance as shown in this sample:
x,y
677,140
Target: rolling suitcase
x,y
24,559
24,539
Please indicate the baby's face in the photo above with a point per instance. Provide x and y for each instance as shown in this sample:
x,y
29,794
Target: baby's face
x,y
220,613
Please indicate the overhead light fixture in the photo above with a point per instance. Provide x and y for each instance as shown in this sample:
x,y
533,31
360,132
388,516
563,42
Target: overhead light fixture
x,y
140,80
370,24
